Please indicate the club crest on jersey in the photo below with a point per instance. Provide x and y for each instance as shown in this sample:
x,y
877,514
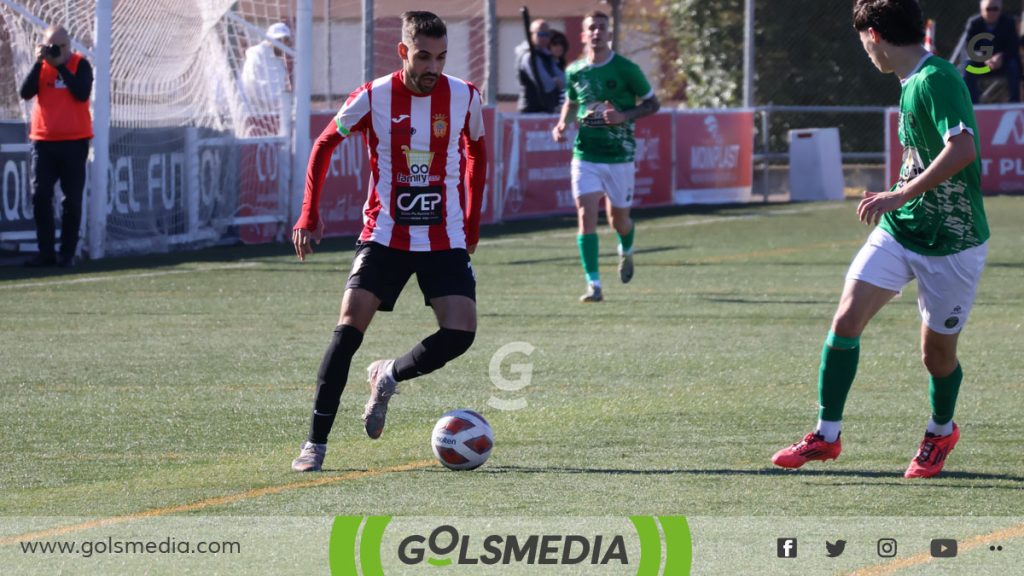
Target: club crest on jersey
x,y
418,162
440,125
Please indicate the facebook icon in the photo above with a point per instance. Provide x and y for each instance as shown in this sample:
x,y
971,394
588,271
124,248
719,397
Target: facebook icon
x,y
786,547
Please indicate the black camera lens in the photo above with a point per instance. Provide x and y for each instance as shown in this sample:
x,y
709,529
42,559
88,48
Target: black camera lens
x,y
52,50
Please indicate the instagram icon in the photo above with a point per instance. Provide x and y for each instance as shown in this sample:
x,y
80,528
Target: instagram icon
x,y
887,547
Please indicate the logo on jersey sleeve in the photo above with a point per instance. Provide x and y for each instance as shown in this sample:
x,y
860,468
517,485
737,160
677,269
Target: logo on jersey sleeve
x,y
418,163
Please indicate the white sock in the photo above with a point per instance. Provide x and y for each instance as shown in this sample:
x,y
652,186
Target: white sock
x,y
940,429
829,429
595,283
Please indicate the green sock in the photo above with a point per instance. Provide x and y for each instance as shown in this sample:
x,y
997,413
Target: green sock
x,y
588,255
943,392
838,367
626,242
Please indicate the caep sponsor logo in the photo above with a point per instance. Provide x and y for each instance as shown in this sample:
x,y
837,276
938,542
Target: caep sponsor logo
x,y
426,202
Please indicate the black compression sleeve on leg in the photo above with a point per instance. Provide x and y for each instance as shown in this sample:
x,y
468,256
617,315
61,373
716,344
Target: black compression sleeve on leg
x,y
433,352
330,380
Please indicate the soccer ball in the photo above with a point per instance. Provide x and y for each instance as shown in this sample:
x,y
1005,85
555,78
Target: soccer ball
x,y
462,440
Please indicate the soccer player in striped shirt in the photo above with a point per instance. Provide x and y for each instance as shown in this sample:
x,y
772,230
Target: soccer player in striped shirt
x,y
425,135
931,227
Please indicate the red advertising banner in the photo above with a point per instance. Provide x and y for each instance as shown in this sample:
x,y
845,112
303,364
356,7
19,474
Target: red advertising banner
x,y
714,156
653,161
537,181
1001,134
491,136
893,149
261,186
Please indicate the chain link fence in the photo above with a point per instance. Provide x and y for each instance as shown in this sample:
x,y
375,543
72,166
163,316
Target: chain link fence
x,y
809,55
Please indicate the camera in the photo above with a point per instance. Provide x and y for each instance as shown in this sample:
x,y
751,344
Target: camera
x,y
51,50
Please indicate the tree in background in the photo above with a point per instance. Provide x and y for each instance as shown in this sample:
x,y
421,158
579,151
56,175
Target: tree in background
x,y
807,52
701,50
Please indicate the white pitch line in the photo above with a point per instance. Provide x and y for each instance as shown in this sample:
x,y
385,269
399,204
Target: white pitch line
x,y
684,224
91,279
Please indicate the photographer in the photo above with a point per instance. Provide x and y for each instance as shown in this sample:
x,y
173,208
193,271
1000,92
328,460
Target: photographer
x,y
60,81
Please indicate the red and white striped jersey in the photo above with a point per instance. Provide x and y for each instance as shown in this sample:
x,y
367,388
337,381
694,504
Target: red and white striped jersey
x,y
423,149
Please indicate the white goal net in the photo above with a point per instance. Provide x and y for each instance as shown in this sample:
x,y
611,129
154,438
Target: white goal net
x,y
198,146
204,140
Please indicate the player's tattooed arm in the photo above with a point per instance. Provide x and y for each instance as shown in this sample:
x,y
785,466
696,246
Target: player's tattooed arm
x,y
612,116
646,108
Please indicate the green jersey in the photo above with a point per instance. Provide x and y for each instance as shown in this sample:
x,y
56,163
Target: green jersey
x,y
617,80
935,106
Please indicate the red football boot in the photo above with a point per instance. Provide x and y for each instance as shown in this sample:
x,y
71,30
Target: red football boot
x,y
931,455
812,447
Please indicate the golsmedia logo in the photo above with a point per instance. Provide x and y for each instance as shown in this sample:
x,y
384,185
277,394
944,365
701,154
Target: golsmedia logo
x,y
408,549
510,549
980,53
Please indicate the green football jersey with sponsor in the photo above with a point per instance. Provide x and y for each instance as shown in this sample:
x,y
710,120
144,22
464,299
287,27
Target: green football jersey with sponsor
x,y
935,106
617,80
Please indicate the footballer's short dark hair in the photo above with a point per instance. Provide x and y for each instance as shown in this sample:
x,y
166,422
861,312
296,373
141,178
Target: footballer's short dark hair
x,y
899,22
420,23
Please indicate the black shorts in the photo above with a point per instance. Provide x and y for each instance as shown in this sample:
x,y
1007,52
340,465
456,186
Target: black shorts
x,y
384,272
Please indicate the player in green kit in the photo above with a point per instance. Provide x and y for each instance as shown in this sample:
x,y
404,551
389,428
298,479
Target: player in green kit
x,y
931,227
602,90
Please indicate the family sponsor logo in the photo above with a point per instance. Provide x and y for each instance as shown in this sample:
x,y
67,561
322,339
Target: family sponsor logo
x,y
418,163
492,550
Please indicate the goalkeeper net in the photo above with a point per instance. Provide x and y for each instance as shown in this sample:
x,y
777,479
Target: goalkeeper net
x,y
199,143
203,142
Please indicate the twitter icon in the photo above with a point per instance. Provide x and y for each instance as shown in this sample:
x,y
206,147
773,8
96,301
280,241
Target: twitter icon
x,y
833,550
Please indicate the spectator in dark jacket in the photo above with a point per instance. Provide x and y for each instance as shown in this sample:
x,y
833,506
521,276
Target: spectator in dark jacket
x,y
540,81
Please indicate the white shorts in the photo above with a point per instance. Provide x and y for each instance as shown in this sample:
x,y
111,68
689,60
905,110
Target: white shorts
x,y
614,180
946,285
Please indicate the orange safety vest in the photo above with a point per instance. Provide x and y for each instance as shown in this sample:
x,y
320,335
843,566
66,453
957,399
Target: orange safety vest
x,y
57,115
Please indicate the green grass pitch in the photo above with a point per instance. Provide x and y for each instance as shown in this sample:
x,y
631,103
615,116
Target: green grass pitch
x,y
152,383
